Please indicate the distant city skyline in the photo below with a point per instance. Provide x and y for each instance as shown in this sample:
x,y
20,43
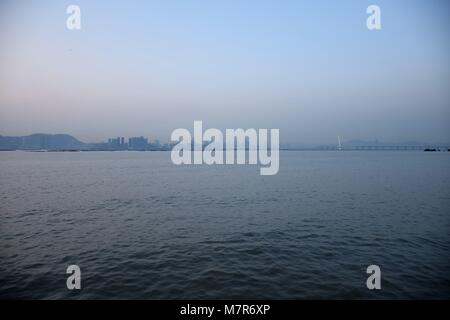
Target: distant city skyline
x,y
42,141
67,141
312,70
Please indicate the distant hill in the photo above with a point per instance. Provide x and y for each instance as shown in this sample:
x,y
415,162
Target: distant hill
x,y
40,141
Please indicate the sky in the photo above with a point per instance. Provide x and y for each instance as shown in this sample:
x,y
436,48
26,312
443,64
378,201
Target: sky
x,y
310,68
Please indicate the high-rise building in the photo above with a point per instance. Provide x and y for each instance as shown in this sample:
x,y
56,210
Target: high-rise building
x,y
137,143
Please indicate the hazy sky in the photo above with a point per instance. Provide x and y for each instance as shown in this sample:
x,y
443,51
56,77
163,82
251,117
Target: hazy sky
x,y
310,68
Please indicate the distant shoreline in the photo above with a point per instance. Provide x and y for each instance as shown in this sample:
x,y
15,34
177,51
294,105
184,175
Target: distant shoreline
x,y
80,150
166,150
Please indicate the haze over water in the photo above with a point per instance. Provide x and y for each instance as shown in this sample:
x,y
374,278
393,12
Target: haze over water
x,y
140,227
310,68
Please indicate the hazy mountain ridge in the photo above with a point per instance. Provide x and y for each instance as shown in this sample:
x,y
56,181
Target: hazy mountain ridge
x,y
41,141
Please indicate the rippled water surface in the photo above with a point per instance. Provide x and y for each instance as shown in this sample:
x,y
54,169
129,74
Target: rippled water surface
x,y
140,227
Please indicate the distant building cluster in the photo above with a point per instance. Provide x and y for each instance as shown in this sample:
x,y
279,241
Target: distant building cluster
x,y
137,143
65,142
118,142
134,143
